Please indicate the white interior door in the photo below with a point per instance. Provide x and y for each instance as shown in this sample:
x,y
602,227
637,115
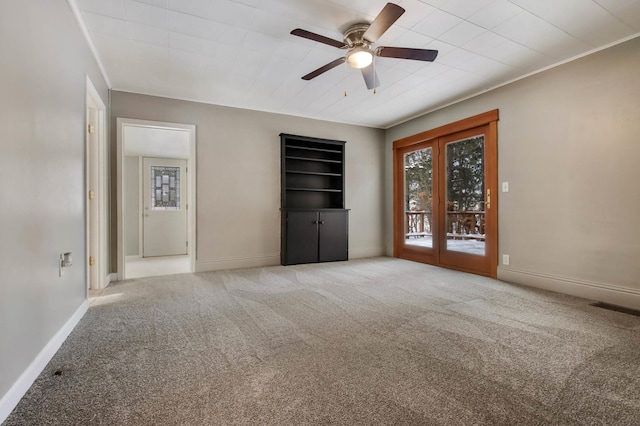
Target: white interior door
x,y
93,196
164,221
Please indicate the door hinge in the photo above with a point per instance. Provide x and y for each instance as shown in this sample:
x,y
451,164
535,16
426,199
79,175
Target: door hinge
x,y
92,260
92,195
91,128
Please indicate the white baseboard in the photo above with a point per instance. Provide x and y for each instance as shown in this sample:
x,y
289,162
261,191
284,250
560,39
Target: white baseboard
x,y
615,295
237,262
26,379
111,278
362,253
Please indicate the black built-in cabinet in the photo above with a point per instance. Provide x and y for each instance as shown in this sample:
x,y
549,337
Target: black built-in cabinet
x,y
315,224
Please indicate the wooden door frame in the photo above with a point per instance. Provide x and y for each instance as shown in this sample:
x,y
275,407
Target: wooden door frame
x,y
488,119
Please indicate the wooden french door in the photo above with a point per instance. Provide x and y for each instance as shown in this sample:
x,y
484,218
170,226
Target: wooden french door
x,y
445,200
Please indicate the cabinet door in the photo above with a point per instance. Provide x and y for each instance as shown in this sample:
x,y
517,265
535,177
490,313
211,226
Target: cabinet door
x,y
302,237
333,234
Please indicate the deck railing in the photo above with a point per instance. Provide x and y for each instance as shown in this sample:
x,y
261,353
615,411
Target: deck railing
x,y
460,224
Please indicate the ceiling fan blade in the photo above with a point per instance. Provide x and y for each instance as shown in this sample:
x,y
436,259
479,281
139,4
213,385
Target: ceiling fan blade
x,y
323,69
389,14
317,37
370,77
407,53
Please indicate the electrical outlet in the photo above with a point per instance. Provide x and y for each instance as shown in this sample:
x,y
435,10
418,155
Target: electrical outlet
x,y
505,186
505,259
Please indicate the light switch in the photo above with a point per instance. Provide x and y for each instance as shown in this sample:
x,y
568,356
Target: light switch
x,y
505,186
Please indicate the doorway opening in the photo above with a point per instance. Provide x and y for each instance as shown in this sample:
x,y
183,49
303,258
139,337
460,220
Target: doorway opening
x,y
156,198
445,198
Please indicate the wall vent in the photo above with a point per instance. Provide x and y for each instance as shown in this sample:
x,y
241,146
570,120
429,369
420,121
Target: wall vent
x,y
616,308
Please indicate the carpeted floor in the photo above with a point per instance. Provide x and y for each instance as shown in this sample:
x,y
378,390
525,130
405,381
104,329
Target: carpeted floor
x,y
365,342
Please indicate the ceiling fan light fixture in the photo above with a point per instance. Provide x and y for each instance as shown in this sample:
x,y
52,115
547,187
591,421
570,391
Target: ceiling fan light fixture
x,y
360,57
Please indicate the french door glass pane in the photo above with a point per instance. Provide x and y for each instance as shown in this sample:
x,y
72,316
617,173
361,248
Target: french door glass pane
x,y
418,173
465,210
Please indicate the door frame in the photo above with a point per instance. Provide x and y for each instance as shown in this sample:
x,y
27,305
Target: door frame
x,y
121,123
96,231
488,119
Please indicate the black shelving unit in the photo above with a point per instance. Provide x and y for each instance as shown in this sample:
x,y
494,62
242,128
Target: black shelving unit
x,y
314,220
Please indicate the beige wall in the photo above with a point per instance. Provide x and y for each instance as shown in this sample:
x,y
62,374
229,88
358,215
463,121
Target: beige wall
x,y
568,145
45,62
238,177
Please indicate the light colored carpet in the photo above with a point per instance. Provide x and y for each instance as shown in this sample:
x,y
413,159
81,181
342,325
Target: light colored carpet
x,y
373,341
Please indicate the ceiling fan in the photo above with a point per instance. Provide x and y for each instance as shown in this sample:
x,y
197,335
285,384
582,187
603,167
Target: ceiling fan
x,y
359,40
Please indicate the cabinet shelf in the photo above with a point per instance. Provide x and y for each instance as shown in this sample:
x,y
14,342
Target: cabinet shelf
x,y
320,160
301,172
306,148
314,189
312,172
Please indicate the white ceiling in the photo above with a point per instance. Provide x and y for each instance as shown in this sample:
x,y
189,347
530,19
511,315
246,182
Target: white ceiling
x,y
239,52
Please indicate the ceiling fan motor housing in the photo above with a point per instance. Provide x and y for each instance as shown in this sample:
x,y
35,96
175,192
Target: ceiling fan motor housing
x,y
354,36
